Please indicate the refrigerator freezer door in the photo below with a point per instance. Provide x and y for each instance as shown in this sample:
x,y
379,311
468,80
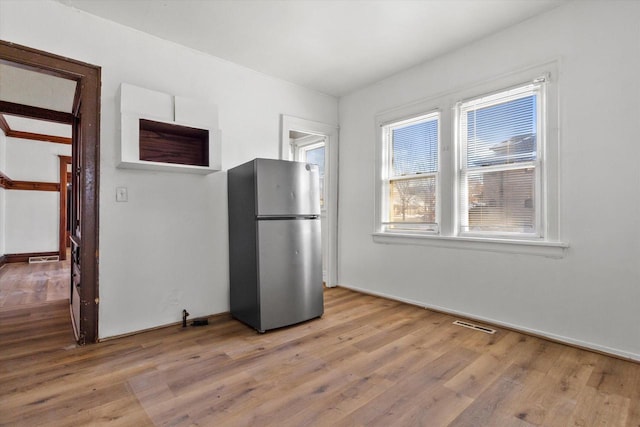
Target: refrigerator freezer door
x,y
290,272
286,188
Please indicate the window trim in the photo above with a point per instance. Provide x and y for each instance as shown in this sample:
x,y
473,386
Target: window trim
x,y
306,143
386,165
520,246
550,245
535,86
299,149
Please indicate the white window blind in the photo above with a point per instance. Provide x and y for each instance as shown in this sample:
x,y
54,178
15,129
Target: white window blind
x,y
500,163
411,172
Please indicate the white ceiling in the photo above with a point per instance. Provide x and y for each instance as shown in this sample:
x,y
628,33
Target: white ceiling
x,y
22,86
38,126
332,46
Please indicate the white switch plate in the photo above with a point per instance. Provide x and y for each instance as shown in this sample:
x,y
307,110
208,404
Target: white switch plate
x,y
122,194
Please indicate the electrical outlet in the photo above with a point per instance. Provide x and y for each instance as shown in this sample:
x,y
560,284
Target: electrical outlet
x,y
122,194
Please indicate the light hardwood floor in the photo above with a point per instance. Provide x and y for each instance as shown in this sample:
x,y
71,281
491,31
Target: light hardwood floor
x,y
24,283
367,362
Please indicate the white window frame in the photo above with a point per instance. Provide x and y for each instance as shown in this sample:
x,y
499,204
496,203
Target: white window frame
x,y
547,243
299,149
305,144
536,87
387,176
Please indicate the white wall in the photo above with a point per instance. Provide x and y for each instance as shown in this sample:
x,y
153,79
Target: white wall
x,y
166,249
28,160
590,297
31,221
31,218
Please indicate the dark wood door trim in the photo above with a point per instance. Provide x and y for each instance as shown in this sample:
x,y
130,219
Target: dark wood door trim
x,y
31,112
88,147
63,235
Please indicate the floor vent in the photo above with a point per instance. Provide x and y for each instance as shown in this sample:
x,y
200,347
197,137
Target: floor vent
x,y
476,327
38,259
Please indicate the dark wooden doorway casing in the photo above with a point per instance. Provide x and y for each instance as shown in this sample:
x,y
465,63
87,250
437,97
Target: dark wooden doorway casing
x,y
63,230
86,163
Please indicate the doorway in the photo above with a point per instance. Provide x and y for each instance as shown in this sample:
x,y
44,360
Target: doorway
x,y
314,142
84,118
64,225
32,198
310,148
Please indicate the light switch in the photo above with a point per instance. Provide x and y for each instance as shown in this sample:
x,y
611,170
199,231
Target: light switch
x,y
121,194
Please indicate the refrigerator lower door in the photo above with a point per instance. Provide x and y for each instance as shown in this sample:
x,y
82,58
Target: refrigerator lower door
x,y
290,272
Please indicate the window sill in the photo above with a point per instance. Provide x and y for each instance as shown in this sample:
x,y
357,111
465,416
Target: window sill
x,y
527,247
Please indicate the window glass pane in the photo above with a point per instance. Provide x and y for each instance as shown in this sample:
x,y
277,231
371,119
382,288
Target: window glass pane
x,y
502,133
413,200
415,148
501,201
316,157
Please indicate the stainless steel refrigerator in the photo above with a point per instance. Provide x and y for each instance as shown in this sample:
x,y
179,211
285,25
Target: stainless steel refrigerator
x,y
275,252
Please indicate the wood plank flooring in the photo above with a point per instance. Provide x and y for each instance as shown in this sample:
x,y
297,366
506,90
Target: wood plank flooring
x,y
24,283
367,362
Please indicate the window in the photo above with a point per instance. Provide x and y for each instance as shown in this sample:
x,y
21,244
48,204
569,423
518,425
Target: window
x,y
311,149
500,180
315,154
475,168
410,176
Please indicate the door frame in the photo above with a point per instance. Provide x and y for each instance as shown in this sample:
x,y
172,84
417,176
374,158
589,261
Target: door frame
x,y
330,133
62,229
86,110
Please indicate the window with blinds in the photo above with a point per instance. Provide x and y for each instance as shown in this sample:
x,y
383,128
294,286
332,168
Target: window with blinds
x,y
410,178
500,163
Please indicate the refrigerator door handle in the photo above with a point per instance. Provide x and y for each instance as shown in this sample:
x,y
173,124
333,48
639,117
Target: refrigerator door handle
x,y
275,218
286,217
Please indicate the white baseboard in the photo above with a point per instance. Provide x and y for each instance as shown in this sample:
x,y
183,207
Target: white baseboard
x,y
542,334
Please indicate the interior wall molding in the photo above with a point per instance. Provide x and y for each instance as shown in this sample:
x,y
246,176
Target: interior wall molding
x,y
3,260
5,182
9,184
35,186
4,126
38,137
24,257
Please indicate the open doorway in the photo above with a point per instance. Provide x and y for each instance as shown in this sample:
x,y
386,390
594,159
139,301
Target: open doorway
x,y
310,148
314,142
82,115
32,198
